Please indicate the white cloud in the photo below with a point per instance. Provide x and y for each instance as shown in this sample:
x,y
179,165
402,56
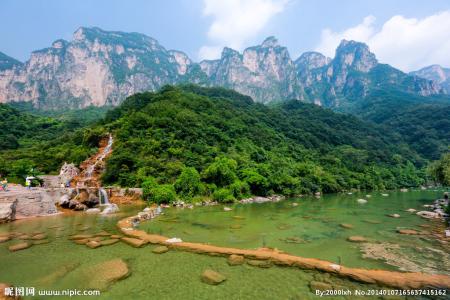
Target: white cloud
x,y
235,22
406,43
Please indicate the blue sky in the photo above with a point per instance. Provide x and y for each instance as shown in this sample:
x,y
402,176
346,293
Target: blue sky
x,y
407,34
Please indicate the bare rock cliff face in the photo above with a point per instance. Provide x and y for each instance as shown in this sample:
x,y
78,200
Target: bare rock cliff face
x,y
100,67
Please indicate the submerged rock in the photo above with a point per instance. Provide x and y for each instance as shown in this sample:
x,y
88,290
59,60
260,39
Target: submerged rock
x,y
259,263
4,238
394,215
408,231
19,246
356,239
361,201
40,236
108,242
110,209
212,277
160,249
93,211
321,286
346,226
93,244
134,242
234,260
105,274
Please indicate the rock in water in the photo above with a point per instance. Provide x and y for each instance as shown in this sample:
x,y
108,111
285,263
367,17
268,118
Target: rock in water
x,y
109,242
102,275
19,246
3,293
212,277
92,211
346,226
8,211
356,239
321,286
160,250
362,201
234,260
259,263
93,244
134,242
408,231
394,215
110,209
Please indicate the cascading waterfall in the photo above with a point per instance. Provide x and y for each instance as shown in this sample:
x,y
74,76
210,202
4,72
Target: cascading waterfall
x,y
103,197
105,152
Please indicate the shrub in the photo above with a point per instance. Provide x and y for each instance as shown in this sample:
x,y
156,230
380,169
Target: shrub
x,y
164,193
188,184
223,195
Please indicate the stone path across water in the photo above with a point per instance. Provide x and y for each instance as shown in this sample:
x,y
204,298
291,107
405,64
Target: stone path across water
x,y
402,280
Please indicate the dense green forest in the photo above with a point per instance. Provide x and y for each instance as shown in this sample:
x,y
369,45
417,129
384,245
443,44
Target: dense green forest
x,y
188,142
422,122
214,142
44,140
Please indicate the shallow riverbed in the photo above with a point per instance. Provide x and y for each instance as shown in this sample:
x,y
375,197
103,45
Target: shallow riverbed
x,y
310,229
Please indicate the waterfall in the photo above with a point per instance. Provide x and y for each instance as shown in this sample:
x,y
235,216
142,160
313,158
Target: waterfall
x,y
90,169
103,195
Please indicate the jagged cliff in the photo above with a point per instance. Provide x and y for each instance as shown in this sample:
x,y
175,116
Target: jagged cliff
x,y
100,67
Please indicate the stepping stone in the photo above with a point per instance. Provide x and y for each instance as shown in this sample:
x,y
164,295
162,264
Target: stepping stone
x,y
81,236
40,236
81,242
103,233
346,226
408,231
4,238
394,215
93,244
19,246
356,239
259,263
109,242
134,242
234,260
212,277
160,249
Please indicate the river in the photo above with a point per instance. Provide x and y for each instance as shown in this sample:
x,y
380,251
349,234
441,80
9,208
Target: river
x,y
310,228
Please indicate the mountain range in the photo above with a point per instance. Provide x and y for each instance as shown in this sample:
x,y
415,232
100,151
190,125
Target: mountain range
x,y
99,67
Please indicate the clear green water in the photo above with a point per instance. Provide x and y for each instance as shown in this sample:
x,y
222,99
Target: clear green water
x,y
176,275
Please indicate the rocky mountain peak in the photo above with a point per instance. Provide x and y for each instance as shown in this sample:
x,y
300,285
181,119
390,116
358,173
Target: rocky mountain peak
x,y
270,42
311,60
436,73
355,55
7,62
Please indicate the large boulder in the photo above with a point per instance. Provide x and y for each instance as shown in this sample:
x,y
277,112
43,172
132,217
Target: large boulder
x,y
64,201
19,246
134,242
357,239
110,209
67,173
212,277
8,211
92,200
4,292
234,260
160,249
102,275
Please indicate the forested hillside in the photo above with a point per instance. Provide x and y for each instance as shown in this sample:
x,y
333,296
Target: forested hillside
x,y
229,146
422,122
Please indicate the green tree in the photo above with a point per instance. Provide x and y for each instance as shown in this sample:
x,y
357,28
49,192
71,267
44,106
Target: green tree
x,y
188,184
222,171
